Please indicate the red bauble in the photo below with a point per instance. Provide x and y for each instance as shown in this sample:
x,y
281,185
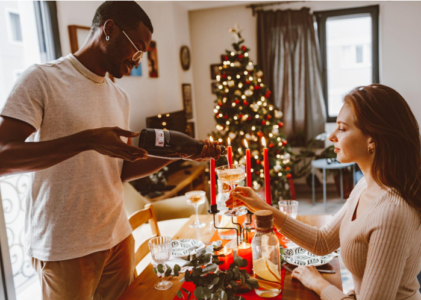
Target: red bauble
x,y
287,168
240,116
244,48
284,142
258,162
267,94
263,122
271,145
220,103
289,176
257,172
237,101
280,124
268,117
257,87
226,57
247,81
259,134
249,119
224,75
240,56
246,103
226,116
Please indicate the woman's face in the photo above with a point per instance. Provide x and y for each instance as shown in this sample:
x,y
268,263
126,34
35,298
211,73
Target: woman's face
x,y
351,145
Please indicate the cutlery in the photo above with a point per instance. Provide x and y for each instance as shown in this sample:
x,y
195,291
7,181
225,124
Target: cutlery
x,y
320,271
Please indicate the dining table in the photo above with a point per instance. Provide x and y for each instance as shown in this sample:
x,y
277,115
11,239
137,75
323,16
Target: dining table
x,y
143,285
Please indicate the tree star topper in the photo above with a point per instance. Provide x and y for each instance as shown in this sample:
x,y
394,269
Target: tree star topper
x,y
236,35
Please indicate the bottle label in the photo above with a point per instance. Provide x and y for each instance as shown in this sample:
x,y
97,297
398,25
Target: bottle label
x,y
159,138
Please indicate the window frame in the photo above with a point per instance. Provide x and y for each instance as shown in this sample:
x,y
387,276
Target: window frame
x,y
321,18
9,11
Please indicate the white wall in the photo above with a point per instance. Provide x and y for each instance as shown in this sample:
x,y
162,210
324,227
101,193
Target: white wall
x,y
148,96
400,47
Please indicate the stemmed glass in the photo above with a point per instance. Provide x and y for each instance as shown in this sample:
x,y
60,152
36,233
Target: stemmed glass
x,y
160,248
289,207
232,176
196,198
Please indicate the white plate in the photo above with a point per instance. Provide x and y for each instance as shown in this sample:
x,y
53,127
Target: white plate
x,y
184,247
301,257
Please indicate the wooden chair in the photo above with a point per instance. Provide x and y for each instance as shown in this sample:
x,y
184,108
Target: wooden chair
x,y
138,219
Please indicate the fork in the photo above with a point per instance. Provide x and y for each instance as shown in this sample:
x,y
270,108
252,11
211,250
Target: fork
x,y
320,271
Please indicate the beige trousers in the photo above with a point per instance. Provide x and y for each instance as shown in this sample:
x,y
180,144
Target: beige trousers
x,y
101,275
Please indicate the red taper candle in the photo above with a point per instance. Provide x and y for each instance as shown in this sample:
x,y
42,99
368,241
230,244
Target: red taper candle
x,y
229,153
248,164
268,194
212,179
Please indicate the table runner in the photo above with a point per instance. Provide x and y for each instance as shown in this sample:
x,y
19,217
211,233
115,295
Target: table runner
x,y
248,296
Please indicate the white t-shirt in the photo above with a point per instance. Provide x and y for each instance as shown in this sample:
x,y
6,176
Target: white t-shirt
x,y
75,207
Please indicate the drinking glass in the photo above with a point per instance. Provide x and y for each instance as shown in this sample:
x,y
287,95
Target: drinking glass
x,y
232,176
289,207
196,198
160,248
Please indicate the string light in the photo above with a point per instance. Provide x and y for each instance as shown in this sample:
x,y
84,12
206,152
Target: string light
x,y
215,110
243,97
224,83
167,115
229,77
253,128
232,53
235,118
259,80
265,104
218,77
238,76
218,107
220,140
259,103
270,135
280,174
271,107
220,115
233,104
232,64
278,139
250,78
241,108
256,157
256,116
245,72
220,87
164,123
159,116
228,122
246,54
241,132
262,98
240,85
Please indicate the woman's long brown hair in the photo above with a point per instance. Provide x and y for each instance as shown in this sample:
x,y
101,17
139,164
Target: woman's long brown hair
x,y
383,114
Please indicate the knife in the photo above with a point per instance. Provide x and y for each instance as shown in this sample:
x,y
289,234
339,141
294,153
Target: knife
x,y
320,271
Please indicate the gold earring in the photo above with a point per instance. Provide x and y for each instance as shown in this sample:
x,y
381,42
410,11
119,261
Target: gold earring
x,y
370,150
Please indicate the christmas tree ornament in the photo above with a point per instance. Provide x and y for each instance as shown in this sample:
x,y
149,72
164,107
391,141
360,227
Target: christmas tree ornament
x,y
240,56
275,130
244,118
280,124
260,134
278,114
255,153
232,135
254,138
259,73
277,168
231,83
237,93
248,93
236,64
250,67
236,33
254,107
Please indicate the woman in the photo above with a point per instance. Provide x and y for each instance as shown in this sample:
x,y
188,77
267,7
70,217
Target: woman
x,y
379,227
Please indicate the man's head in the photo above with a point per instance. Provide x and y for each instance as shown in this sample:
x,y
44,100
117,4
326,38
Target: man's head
x,y
116,23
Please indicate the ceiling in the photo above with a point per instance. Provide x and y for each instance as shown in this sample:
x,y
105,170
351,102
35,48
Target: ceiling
x,y
197,5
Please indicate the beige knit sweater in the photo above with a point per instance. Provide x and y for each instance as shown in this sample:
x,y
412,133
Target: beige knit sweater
x,y
381,248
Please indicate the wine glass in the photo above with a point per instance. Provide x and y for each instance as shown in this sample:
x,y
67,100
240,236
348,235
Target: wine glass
x,y
160,248
232,176
196,198
289,207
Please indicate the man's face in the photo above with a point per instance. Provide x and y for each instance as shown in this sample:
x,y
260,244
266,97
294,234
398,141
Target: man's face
x,y
120,52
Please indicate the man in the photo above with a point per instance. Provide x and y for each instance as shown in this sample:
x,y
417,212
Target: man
x,y
76,229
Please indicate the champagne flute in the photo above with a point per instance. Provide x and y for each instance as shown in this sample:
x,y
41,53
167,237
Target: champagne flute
x,y
196,198
232,176
160,248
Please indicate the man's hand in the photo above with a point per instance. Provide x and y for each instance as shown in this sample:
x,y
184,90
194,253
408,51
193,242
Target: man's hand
x,y
107,141
210,150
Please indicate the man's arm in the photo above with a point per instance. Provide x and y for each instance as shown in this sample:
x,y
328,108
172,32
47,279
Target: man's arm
x,y
17,156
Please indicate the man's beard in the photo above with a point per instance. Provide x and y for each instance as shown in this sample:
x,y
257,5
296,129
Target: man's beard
x,y
114,59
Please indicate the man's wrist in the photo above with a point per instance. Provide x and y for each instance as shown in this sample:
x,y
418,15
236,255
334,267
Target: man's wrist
x,y
83,140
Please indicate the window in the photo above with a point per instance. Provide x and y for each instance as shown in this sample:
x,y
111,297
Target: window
x,y
15,27
349,49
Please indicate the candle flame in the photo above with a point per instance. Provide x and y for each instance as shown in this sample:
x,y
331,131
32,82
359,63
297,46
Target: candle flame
x,y
263,142
229,142
211,138
225,250
245,143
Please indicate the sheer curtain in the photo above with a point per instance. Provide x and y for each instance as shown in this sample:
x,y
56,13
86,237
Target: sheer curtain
x,y
288,54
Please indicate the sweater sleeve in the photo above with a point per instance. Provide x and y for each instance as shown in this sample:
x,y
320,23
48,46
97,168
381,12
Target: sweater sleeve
x,y
388,249
324,240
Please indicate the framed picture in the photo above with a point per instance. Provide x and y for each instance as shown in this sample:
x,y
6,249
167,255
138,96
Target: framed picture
x,y
185,58
190,129
187,100
153,60
77,37
214,87
214,69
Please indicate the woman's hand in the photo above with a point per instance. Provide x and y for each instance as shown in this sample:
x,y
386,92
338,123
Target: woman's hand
x,y
245,196
310,278
210,150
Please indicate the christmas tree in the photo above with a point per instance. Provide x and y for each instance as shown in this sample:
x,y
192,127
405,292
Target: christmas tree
x,y
243,111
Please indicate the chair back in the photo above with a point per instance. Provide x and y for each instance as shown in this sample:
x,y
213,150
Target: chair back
x,y
138,219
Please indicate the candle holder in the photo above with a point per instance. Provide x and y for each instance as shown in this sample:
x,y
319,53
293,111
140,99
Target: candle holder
x,y
239,229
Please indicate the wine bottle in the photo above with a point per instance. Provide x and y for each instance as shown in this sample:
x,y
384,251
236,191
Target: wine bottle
x,y
170,144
